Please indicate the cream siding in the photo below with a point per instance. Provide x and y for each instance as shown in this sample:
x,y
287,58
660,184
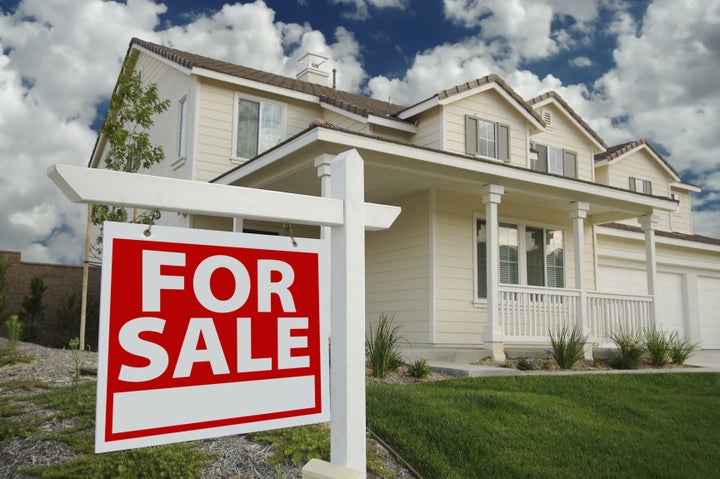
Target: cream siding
x,y
488,105
346,122
562,133
681,220
429,130
640,165
398,270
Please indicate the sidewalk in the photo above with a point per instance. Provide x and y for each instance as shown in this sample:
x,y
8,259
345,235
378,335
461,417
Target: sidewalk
x,y
703,361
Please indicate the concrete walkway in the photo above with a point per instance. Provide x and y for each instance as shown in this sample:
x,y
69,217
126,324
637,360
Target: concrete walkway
x,y
704,361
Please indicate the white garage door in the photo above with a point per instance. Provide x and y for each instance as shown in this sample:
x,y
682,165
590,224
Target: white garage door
x,y
709,307
670,302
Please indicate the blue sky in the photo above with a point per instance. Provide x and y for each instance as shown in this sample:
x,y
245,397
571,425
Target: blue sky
x,y
631,69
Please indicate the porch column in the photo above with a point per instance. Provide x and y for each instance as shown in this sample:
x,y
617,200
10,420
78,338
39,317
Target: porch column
x,y
648,224
578,212
322,164
493,335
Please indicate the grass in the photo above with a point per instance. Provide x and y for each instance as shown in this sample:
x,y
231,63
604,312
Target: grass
x,y
599,426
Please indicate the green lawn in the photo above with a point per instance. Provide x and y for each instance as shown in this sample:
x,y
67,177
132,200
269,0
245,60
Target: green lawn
x,y
585,426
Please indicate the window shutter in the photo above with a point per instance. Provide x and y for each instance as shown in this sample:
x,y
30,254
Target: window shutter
x,y
632,184
503,143
471,135
570,164
648,187
541,163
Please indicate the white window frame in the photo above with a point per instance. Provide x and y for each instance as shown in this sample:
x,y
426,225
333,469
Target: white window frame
x,y
638,184
181,145
237,97
522,226
496,154
556,151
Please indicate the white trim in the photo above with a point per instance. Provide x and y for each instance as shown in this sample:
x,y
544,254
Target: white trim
x,y
419,108
264,87
260,101
432,223
652,154
593,193
572,119
686,187
398,125
658,239
162,59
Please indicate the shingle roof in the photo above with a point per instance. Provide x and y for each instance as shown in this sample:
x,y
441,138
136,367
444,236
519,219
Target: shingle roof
x,y
478,82
667,234
619,150
578,118
351,102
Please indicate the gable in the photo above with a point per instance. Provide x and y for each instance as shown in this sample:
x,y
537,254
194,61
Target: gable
x,y
641,163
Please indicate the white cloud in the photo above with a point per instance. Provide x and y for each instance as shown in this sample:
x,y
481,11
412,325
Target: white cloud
x,y
362,7
581,62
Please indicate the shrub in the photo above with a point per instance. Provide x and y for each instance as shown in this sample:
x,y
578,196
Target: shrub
x,y
525,364
14,329
680,348
658,346
629,349
33,310
67,325
382,348
419,369
567,346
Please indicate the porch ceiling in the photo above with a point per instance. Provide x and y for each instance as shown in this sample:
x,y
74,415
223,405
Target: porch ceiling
x,y
393,171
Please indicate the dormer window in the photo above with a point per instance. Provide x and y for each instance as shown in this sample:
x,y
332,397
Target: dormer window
x,y
640,185
259,125
487,138
556,161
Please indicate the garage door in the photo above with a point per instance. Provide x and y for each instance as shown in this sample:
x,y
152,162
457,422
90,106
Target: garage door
x,y
670,302
709,308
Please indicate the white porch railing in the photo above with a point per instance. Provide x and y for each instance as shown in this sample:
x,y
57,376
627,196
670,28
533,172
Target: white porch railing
x,y
607,313
528,314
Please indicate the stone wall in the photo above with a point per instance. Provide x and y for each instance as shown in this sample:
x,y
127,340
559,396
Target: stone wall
x,y
61,280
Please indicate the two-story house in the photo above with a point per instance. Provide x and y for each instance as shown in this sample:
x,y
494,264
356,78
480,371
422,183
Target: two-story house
x,y
516,216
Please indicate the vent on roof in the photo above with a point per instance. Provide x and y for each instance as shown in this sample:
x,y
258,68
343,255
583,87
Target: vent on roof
x,y
547,117
314,69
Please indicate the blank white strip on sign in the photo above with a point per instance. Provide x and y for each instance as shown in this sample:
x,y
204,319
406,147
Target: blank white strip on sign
x,y
140,410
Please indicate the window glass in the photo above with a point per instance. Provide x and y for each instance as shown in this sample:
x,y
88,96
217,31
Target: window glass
x,y
486,138
508,239
555,161
554,258
271,126
543,260
247,130
534,253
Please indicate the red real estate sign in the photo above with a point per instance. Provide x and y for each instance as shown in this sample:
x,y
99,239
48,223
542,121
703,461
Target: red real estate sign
x,y
205,334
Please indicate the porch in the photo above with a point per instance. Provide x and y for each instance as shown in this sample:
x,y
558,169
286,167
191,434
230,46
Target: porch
x,y
527,315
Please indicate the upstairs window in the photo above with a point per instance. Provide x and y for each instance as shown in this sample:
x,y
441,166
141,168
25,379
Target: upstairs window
x,y
640,185
555,160
487,138
259,127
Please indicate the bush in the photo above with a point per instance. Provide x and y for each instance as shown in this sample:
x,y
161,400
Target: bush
x,y
658,346
67,326
419,369
33,310
14,329
680,348
567,346
381,348
629,349
4,286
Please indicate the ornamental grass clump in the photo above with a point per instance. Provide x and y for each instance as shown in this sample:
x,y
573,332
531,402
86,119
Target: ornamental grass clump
x,y
680,348
657,344
567,346
630,349
419,368
381,347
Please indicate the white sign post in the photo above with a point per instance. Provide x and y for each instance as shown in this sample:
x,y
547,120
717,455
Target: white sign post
x,y
346,213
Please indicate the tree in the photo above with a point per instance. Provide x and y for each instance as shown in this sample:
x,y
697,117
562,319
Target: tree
x,y
126,130
33,310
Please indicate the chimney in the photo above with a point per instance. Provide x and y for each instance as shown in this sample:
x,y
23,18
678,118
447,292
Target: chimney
x,y
313,70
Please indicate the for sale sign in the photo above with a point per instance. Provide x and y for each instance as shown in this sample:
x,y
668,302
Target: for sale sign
x,y
206,333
